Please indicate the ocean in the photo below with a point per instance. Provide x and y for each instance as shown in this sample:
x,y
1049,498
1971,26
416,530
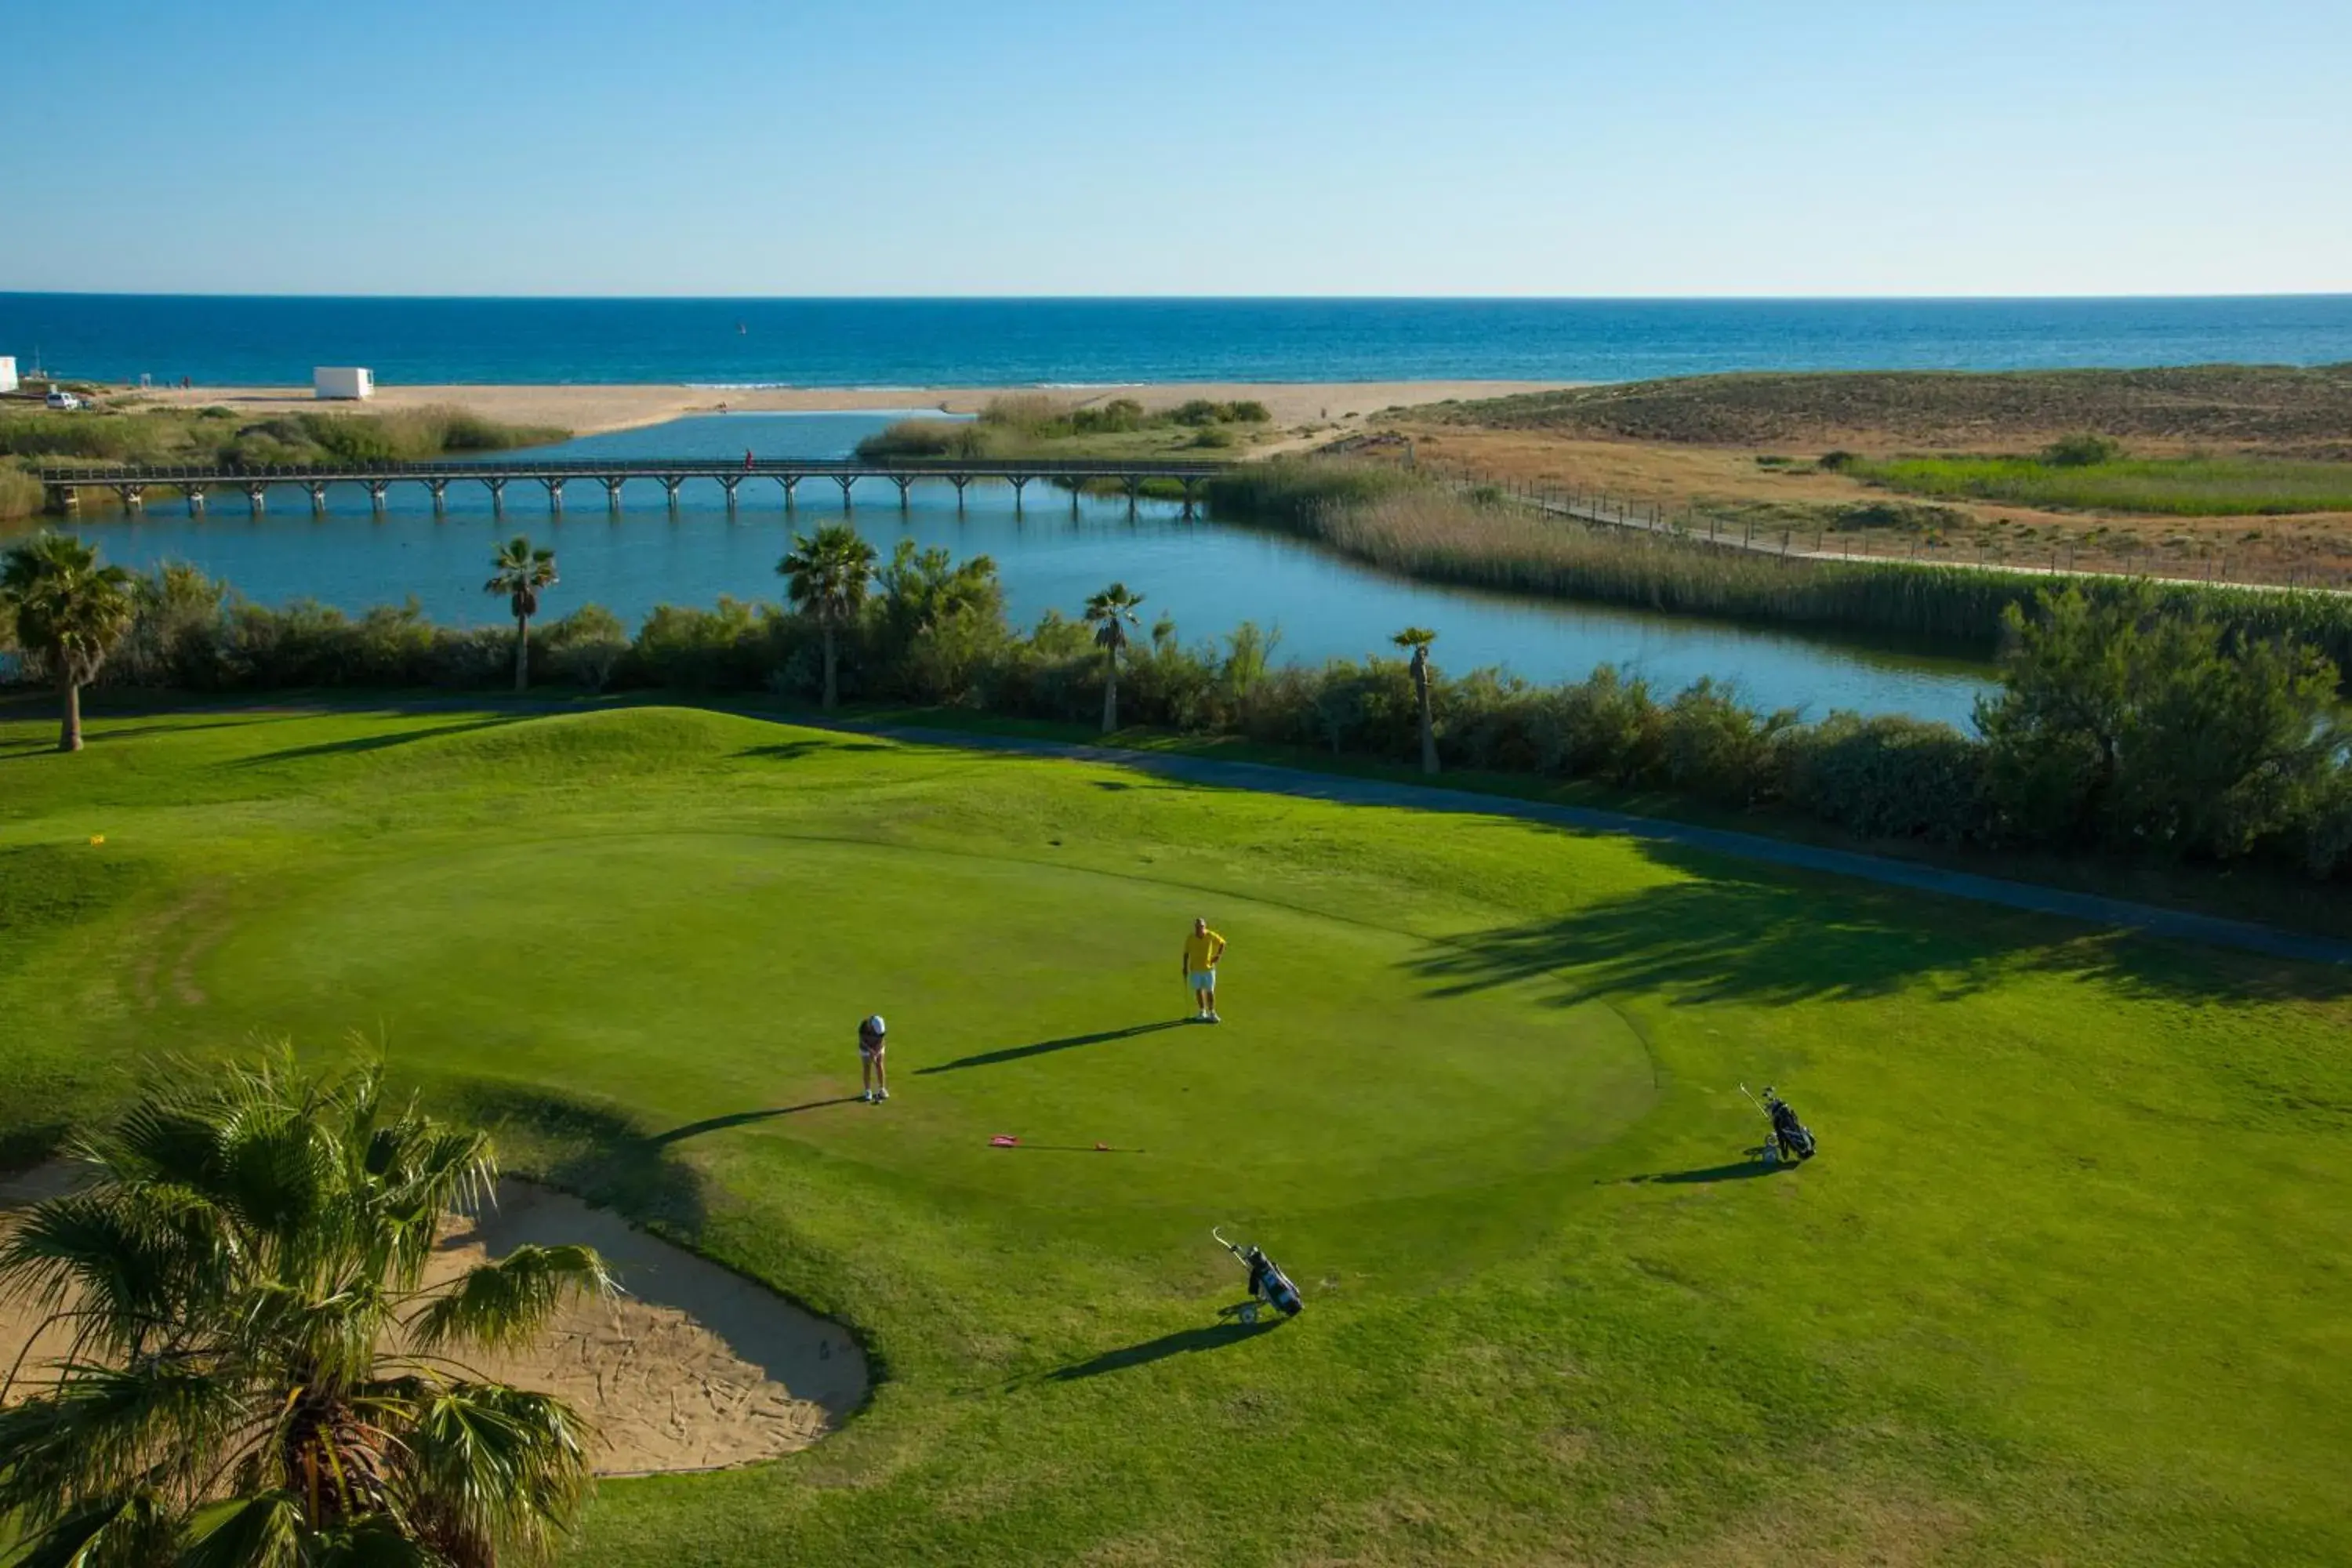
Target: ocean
x,y
236,341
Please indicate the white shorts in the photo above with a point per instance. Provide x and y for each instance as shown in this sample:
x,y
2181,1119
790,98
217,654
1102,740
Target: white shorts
x,y
1203,979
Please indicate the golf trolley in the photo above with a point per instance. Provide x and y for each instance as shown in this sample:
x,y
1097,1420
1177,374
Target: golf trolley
x,y
1268,1285
1789,1140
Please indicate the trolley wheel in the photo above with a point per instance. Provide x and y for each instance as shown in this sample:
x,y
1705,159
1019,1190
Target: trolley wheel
x,y
1249,1314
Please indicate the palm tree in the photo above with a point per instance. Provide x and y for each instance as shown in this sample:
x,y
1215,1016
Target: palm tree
x,y
1418,638
67,609
826,578
255,1376
520,572
1111,612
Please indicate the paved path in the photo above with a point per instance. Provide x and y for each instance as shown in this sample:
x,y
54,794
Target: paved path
x,y
2110,913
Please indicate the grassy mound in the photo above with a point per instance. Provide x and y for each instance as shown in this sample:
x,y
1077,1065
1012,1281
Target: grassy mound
x,y
2064,1285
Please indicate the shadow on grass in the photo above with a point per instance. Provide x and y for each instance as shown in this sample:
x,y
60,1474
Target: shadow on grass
x,y
585,1148
1068,1042
1185,1341
1737,1171
744,1118
789,750
1730,933
359,743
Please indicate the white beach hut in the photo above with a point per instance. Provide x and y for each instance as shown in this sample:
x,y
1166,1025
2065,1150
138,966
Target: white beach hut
x,y
343,381
8,372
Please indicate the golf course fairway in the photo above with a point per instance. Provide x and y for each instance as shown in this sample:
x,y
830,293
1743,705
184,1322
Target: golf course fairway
x,y
2070,1281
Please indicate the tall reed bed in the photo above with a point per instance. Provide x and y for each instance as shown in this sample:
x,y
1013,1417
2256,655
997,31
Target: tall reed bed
x,y
1400,522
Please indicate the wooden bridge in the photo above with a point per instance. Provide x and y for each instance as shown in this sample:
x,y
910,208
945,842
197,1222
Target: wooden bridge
x,y
195,481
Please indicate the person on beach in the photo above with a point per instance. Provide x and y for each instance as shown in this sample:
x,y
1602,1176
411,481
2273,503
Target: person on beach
x,y
1202,948
875,1076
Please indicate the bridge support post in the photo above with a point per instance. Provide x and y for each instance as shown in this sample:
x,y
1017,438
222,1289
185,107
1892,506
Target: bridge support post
x,y
65,498
497,488
1191,489
257,497
792,485
440,489
1134,488
669,488
134,497
195,501
904,480
613,483
960,480
554,494
846,480
318,489
1020,482
377,489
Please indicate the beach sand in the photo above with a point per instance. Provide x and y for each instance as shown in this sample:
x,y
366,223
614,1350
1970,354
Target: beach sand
x,y
585,410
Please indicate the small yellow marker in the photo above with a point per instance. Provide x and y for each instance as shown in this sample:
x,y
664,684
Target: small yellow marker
x,y
98,839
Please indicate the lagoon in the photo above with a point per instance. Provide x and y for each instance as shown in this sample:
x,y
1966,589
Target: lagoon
x,y
1208,576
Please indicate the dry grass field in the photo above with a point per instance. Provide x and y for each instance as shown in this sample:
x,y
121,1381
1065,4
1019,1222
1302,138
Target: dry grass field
x,y
1747,448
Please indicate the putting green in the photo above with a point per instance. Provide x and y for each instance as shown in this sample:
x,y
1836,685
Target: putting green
x,y
1033,1000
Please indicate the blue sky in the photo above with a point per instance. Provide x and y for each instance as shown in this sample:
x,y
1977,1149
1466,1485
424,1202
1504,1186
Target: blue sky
x,y
1672,147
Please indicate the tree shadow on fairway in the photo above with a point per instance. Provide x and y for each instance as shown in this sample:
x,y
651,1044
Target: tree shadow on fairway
x,y
745,1119
359,743
1068,1042
1185,1341
1728,933
585,1148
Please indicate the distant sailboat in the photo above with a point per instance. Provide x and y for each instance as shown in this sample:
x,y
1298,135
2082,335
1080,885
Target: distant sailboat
x,y
741,330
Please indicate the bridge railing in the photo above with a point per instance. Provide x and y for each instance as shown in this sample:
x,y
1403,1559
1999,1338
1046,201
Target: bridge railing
x,y
654,468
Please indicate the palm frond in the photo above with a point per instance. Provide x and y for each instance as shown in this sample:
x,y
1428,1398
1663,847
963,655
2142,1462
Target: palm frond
x,y
265,1530
136,1259
131,1529
106,1428
508,1301
489,1465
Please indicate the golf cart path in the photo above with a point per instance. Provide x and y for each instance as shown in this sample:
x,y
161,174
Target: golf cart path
x,y
2179,925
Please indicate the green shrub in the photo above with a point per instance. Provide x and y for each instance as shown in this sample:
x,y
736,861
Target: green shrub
x,y
2081,451
925,438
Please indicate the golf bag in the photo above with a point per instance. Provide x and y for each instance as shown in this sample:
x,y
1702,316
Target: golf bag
x,y
1267,1283
1790,1141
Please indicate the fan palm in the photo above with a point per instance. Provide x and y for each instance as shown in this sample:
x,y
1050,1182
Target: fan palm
x,y
826,577
256,1375
1110,613
1418,639
67,609
521,571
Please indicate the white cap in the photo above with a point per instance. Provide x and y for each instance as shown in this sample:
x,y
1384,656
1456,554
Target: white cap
x,y
874,1025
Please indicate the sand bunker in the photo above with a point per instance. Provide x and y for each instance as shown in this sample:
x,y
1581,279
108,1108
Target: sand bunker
x,y
693,1368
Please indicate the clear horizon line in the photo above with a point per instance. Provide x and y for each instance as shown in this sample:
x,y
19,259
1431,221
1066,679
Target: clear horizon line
x,y
1199,299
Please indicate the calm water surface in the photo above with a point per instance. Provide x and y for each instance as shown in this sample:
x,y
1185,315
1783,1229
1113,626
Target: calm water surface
x,y
1208,576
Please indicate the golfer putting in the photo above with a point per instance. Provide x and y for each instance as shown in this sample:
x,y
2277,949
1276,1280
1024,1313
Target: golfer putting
x,y
1202,948
873,1073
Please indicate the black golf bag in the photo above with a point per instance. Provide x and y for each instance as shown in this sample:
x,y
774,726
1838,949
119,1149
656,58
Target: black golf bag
x,y
1267,1283
1790,1141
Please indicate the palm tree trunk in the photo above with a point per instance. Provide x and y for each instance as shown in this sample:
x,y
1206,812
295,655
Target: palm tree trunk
x,y
69,732
1110,691
1428,731
832,693
523,655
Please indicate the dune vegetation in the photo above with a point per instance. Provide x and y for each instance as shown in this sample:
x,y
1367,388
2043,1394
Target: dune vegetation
x,y
127,432
1022,425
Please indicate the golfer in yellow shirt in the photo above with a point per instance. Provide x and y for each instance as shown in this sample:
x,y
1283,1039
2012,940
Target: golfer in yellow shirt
x,y
1201,951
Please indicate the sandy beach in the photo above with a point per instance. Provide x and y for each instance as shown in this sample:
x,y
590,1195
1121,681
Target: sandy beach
x,y
584,410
